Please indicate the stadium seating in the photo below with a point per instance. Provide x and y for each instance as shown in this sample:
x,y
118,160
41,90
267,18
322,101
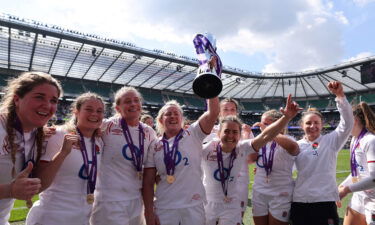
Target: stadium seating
x,y
319,103
179,99
195,102
368,97
152,96
253,106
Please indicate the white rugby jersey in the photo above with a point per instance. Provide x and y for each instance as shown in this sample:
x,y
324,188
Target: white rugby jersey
x,y
65,199
6,164
117,176
243,175
210,167
187,189
280,180
316,162
365,158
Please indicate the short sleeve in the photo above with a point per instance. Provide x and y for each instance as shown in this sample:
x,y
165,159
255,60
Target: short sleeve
x,y
53,146
150,158
247,147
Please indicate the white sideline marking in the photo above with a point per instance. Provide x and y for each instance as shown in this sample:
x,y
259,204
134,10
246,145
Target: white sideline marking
x,y
20,208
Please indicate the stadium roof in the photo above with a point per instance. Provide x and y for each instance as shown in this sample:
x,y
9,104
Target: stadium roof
x,y
30,45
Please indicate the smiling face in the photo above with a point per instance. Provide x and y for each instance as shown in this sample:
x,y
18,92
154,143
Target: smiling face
x,y
229,134
37,106
90,114
171,120
312,126
129,106
228,109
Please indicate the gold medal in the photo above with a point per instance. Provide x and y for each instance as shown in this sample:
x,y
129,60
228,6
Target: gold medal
x,y
170,179
354,179
90,198
29,203
139,175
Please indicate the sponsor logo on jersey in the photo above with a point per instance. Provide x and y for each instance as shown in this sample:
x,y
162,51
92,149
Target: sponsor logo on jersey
x,y
212,156
196,197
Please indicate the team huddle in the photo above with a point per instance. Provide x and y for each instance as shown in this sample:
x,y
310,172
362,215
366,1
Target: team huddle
x,y
119,170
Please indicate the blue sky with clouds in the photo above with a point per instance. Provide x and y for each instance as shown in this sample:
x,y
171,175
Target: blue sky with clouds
x,y
260,36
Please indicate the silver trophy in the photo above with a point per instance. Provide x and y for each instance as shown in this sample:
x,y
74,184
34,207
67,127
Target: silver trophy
x,y
207,83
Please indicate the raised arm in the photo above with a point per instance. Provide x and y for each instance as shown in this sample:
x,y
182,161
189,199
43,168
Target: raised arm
x,y
288,144
208,119
269,133
346,123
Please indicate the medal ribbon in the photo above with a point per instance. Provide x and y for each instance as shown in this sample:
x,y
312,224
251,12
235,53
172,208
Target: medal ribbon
x,y
137,157
268,163
171,154
30,156
91,172
201,43
353,161
220,162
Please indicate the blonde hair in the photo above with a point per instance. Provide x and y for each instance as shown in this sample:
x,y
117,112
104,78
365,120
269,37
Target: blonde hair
x,y
274,114
159,126
145,117
233,119
76,106
365,115
20,86
121,92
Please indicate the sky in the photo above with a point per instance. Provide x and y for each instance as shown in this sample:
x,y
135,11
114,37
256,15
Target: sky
x,y
257,36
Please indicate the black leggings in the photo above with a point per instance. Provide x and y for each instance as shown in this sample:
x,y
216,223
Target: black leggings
x,y
317,213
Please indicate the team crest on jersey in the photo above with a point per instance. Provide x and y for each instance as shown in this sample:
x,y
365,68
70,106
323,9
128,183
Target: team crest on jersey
x,y
285,213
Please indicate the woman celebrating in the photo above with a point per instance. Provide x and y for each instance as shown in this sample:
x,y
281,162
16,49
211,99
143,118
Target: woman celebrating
x,y
230,107
361,208
126,141
30,101
69,167
273,182
177,158
315,192
222,161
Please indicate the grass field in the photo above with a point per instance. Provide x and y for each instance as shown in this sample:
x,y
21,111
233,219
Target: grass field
x,y
19,211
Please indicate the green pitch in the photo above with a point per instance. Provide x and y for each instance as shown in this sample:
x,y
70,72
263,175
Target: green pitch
x,y
19,211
